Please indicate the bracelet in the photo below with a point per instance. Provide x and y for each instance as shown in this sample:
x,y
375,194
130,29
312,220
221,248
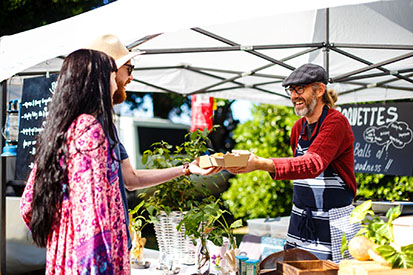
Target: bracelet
x,y
186,170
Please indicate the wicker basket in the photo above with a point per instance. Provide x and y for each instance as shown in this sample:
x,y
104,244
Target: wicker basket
x,y
173,246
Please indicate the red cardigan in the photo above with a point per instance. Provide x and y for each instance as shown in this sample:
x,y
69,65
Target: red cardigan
x,y
333,145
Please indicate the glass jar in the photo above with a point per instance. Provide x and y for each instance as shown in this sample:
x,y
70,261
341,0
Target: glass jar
x,y
253,267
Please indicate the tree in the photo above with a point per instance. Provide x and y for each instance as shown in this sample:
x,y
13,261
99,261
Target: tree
x,y
384,187
21,15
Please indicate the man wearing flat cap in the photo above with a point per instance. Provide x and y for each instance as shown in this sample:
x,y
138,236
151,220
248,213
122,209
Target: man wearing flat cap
x,y
128,177
322,168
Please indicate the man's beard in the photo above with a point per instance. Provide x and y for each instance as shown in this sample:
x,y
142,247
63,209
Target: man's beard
x,y
308,107
120,94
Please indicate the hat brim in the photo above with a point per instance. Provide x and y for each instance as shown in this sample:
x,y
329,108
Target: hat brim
x,y
121,61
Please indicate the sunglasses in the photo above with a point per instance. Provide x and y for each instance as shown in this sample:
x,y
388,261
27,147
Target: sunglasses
x,y
129,68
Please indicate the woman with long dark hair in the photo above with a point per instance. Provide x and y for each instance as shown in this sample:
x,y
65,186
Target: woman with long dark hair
x,y
72,201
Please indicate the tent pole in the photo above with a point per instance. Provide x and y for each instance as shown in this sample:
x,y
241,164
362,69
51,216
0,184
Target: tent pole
x,y
374,46
3,183
396,74
364,76
374,66
247,49
252,72
378,86
235,47
326,41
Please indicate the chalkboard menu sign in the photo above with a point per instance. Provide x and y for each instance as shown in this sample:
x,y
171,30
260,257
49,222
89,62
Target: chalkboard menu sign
x,y
36,95
383,137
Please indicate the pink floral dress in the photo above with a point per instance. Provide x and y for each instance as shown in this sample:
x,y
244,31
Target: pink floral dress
x,y
90,237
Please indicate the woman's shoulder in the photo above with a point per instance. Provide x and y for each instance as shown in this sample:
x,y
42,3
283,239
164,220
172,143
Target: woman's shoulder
x,y
86,132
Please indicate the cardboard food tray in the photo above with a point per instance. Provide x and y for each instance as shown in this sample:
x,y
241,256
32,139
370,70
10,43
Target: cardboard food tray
x,y
228,160
307,267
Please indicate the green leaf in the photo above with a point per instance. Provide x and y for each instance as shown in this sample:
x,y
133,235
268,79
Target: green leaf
x,y
144,159
236,224
385,231
216,238
344,244
388,253
393,213
408,250
404,261
151,210
361,211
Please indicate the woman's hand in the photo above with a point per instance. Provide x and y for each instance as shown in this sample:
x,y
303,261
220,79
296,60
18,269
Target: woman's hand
x,y
195,169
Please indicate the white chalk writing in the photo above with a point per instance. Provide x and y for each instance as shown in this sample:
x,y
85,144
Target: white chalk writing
x,y
31,131
369,115
37,102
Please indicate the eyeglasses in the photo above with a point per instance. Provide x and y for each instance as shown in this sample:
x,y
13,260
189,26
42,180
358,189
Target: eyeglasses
x,y
299,90
129,68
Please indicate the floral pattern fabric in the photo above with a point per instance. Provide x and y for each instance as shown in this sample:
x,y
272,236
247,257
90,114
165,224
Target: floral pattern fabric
x,y
90,237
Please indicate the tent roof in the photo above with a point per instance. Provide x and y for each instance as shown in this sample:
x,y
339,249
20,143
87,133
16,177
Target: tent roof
x,y
236,49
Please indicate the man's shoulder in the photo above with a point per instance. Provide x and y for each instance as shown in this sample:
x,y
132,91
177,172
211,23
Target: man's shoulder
x,y
337,121
336,116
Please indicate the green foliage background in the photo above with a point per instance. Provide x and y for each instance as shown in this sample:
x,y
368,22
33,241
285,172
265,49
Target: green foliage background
x,y
256,195
21,15
384,187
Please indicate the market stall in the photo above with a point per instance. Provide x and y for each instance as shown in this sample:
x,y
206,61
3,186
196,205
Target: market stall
x,y
232,50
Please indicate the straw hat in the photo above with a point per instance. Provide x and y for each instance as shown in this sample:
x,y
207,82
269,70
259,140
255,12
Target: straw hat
x,y
111,45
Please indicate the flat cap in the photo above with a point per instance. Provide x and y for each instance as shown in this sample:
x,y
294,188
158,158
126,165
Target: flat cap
x,y
306,74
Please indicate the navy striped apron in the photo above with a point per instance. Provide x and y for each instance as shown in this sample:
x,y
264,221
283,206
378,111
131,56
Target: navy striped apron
x,y
313,199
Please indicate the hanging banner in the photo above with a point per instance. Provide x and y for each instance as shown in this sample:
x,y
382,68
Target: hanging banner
x,y
383,137
36,95
201,112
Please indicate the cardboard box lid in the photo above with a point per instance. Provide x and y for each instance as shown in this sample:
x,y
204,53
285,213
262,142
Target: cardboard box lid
x,y
238,158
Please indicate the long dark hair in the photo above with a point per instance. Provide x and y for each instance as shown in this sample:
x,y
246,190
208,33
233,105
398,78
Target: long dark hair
x,y
83,87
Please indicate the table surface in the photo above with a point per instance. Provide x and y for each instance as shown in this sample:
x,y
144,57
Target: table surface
x,y
152,256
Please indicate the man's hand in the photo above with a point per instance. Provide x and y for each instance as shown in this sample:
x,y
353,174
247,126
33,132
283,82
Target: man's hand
x,y
254,163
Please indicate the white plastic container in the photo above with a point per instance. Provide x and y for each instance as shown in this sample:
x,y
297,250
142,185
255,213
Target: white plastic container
x,y
279,229
271,227
259,227
403,230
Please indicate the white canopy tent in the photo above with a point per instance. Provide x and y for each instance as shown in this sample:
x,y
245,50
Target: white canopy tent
x,y
232,49
236,49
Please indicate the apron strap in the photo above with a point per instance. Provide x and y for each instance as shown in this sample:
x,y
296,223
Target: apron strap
x,y
307,227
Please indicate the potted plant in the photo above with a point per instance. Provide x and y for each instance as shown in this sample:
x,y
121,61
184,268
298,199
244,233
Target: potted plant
x,y
198,223
376,239
180,193
167,203
206,221
223,229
